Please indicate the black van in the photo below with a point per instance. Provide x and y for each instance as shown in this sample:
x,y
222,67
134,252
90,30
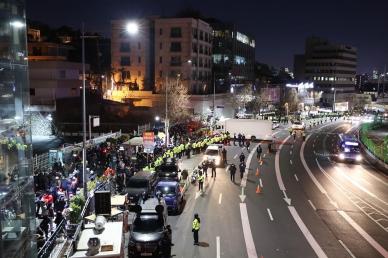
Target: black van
x,y
142,182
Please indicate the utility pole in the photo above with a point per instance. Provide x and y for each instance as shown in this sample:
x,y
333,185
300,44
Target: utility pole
x,y
85,190
385,74
214,101
166,118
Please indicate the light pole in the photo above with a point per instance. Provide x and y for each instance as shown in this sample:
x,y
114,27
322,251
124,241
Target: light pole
x,y
335,91
166,118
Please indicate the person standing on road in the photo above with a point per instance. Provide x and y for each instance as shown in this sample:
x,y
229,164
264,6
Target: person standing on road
x,y
232,170
242,157
201,179
259,150
242,169
248,144
196,227
294,135
234,139
224,152
243,139
213,167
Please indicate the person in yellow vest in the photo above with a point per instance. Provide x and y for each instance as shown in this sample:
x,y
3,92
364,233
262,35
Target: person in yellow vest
x,y
196,227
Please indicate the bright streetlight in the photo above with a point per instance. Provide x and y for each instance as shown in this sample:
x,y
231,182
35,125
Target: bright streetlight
x,y
132,28
17,24
157,118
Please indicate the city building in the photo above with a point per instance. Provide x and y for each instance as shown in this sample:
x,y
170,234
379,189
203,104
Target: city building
x,y
331,66
17,198
147,51
361,80
233,56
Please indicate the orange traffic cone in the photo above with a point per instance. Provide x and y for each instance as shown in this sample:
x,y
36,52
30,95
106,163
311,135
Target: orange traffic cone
x,y
258,189
257,172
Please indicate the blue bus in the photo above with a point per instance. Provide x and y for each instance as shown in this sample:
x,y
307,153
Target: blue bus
x,y
348,148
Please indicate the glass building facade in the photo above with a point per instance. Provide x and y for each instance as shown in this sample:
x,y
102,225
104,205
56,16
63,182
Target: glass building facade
x,y
17,209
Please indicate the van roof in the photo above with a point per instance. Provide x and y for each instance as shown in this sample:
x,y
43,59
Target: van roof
x,y
141,175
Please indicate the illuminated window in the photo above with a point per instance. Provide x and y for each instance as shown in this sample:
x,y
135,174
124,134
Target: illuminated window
x,y
217,58
239,60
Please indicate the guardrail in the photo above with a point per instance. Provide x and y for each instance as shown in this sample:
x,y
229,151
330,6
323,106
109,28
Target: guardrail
x,y
48,247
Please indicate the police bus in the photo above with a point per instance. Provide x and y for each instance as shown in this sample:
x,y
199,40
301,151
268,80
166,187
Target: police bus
x,y
348,148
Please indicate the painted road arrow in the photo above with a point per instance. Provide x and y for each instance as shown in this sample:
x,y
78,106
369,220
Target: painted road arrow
x,y
242,195
288,200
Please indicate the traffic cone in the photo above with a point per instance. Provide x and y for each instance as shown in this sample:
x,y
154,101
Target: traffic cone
x,y
258,189
257,172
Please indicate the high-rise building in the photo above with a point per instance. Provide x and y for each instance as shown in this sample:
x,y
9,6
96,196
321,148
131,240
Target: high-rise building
x,y
233,56
17,198
157,48
361,80
332,68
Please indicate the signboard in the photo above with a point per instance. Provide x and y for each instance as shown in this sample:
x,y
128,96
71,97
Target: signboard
x,y
148,142
341,106
96,121
270,95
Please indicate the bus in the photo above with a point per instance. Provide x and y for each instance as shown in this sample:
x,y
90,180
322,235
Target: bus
x,y
348,148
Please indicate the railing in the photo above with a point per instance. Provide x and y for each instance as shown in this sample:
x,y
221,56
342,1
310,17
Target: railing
x,y
49,246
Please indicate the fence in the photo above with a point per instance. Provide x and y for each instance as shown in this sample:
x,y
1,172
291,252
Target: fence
x,y
48,247
378,150
42,162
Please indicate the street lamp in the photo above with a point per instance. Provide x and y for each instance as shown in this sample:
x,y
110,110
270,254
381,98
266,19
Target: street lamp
x,y
335,91
157,118
132,28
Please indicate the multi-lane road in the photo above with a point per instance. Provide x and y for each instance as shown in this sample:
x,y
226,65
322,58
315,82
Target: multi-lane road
x,y
299,202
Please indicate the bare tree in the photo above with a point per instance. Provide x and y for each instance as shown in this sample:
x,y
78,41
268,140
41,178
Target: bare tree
x,y
248,99
292,99
177,100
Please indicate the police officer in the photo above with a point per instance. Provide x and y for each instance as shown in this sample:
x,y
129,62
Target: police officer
x,y
259,150
242,157
196,227
242,169
204,167
234,139
232,170
213,167
224,160
201,179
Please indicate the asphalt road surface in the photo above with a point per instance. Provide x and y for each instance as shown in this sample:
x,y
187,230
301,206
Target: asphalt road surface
x,y
299,202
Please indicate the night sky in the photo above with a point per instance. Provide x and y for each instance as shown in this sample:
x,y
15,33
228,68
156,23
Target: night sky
x,y
279,26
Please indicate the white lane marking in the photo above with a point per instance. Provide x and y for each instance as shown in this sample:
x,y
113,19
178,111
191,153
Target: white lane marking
x,y
249,243
218,247
346,248
296,177
261,183
197,194
270,214
365,235
235,156
360,186
291,152
220,198
313,178
277,166
310,238
374,176
264,155
249,159
312,205
290,161
351,197
313,145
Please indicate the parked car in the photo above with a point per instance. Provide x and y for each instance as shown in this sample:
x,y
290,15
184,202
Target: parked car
x,y
142,183
172,194
149,233
168,171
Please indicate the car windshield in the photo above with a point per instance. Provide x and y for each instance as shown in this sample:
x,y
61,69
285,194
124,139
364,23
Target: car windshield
x,y
297,123
169,190
168,168
148,223
138,183
211,152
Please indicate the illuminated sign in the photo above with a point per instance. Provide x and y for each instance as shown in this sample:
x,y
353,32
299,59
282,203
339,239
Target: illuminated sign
x,y
306,85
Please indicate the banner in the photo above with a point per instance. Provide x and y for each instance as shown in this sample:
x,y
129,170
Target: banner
x,y
148,142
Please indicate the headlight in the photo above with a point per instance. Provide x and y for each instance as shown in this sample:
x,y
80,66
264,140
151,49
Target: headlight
x,y
218,159
358,157
342,156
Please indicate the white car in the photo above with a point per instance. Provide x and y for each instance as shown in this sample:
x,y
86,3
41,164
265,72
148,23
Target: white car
x,y
213,153
297,125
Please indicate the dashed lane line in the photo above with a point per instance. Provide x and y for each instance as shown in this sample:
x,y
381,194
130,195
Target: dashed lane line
x,y
365,235
218,247
312,205
346,248
296,177
220,198
269,214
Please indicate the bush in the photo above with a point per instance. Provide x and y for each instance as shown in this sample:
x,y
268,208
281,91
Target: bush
x,y
77,203
123,138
